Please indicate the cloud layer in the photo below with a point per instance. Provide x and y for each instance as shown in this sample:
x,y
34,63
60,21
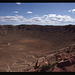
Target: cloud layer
x,y
45,19
29,12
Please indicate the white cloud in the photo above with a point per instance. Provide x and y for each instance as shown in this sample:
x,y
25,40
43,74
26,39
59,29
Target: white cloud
x,y
59,18
36,19
69,10
16,18
16,12
72,10
18,3
45,19
29,12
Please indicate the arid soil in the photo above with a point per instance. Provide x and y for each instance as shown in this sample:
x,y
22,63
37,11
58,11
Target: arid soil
x,y
21,46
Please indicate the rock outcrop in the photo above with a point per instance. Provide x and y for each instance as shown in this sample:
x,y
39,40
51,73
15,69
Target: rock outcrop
x,y
62,61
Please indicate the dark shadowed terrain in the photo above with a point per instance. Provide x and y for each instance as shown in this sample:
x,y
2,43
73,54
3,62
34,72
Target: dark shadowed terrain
x,y
22,45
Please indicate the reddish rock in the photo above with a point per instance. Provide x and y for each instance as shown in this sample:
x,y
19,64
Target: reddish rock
x,y
41,61
70,68
64,63
72,60
56,69
58,57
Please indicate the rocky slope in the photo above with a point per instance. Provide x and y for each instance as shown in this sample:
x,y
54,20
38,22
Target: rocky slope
x,y
61,61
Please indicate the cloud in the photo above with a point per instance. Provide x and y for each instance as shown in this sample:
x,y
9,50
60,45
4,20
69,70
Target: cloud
x,y
72,10
29,12
45,19
69,10
53,19
16,12
59,18
18,3
37,19
16,18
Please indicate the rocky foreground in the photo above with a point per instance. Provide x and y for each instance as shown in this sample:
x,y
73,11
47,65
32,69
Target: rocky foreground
x,y
61,61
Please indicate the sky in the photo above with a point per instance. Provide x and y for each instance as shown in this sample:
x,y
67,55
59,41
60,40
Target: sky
x,y
37,13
